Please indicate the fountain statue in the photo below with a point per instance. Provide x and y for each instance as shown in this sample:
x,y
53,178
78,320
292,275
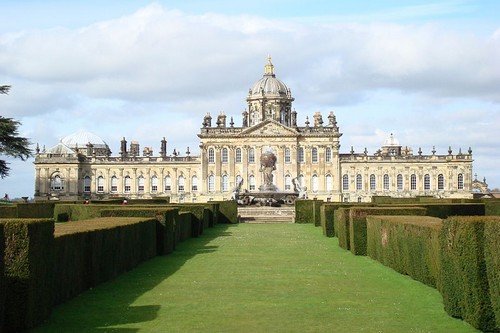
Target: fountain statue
x,y
267,166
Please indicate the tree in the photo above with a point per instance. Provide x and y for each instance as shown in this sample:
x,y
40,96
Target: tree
x,y
11,144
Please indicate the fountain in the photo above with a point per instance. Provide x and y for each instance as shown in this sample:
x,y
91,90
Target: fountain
x,y
268,194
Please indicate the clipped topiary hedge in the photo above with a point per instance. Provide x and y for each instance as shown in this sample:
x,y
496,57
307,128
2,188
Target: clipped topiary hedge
x,y
492,207
228,212
90,252
35,210
341,222
308,211
357,223
28,272
213,207
8,211
444,210
327,218
407,244
465,287
184,226
492,259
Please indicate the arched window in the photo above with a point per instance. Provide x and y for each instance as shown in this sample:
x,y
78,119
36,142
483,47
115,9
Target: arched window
x,y
373,182
460,181
194,183
345,182
211,183
180,183
315,183
211,156
225,157
288,182
413,182
238,155
225,183
154,184
114,184
359,182
314,155
329,183
386,182
440,182
399,181
427,182
300,155
359,199
86,184
100,184
251,182
140,184
328,154
128,184
168,183
251,155
287,155
56,183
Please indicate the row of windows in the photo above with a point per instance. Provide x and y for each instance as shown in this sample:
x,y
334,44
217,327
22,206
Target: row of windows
x,y
400,183
251,155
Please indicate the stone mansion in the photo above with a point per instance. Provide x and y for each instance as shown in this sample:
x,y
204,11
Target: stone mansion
x,y
82,166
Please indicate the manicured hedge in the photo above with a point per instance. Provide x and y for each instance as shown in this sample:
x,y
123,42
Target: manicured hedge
x,y
8,211
2,279
407,244
357,223
198,214
90,252
185,225
492,207
28,272
308,211
165,226
444,210
327,218
228,212
213,207
341,222
35,210
78,212
465,286
119,201
492,259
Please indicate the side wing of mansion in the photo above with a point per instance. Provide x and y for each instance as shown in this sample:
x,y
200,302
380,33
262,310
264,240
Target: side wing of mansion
x,y
81,166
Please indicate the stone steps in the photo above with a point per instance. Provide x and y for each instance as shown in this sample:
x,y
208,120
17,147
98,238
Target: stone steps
x,y
256,214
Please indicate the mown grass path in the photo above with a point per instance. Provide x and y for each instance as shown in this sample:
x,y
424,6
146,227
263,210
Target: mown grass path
x,y
258,278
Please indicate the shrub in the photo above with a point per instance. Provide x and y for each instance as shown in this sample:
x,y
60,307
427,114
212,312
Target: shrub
x,y
184,223
492,207
165,217
407,244
357,223
308,211
93,251
228,212
2,278
341,222
35,210
465,283
492,259
198,215
8,211
28,272
444,210
327,217
213,207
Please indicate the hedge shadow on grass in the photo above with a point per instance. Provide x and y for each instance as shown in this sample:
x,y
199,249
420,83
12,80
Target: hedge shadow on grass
x,y
110,304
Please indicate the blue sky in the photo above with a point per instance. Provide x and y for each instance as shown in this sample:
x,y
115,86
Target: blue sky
x,y
429,71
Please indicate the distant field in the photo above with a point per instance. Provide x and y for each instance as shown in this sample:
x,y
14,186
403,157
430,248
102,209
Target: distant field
x,y
258,278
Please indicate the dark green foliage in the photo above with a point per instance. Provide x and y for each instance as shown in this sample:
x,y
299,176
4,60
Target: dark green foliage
x,y
119,201
444,210
28,272
165,217
35,210
492,207
357,223
77,212
213,207
327,217
8,211
90,252
2,278
341,222
11,144
407,244
465,288
184,225
197,210
228,212
308,211
492,258
391,200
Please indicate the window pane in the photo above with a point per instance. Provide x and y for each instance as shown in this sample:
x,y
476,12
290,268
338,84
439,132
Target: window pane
x,y
345,182
373,183
359,182
238,155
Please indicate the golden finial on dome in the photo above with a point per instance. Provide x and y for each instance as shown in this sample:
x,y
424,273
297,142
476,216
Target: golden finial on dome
x,y
269,67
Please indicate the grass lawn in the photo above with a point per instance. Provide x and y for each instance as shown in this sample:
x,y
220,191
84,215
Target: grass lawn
x,y
258,278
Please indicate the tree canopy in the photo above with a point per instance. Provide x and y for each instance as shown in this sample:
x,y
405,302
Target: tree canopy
x,y
11,144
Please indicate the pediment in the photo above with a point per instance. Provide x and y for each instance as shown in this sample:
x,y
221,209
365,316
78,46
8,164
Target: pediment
x,y
270,128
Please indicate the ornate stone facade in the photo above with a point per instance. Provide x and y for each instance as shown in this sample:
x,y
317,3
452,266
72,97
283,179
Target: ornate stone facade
x,y
81,165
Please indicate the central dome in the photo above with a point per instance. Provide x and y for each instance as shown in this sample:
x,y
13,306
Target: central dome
x,y
81,138
269,84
